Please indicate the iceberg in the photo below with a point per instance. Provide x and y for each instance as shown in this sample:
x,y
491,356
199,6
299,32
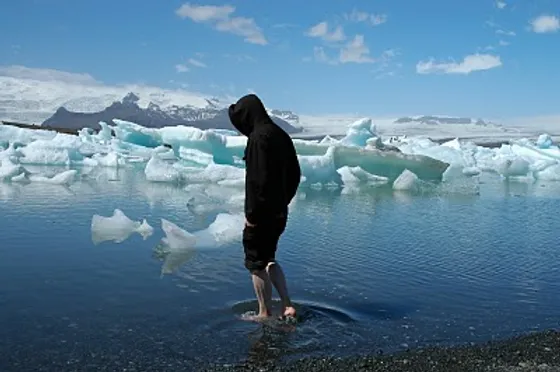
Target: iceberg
x,y
226,228
407,181
183,155
117,228
179,245
62,178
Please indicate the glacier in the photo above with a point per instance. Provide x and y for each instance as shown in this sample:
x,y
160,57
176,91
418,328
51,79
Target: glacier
x,y
185,156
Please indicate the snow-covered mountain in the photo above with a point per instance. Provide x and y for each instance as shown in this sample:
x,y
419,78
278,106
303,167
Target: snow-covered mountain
x,y
32,95
35,96
213,115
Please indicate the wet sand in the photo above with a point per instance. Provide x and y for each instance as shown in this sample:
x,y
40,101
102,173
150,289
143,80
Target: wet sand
x,y
533,352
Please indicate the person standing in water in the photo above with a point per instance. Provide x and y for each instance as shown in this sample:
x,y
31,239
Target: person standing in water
x,y
271,180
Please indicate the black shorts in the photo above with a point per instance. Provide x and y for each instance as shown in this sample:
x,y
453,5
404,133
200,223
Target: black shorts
x,y
260,243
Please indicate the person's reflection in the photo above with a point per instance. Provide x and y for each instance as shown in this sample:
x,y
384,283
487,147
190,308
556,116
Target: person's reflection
x,y
269,342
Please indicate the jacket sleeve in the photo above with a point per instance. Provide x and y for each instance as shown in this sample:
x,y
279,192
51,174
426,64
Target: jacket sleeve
x,y
258,179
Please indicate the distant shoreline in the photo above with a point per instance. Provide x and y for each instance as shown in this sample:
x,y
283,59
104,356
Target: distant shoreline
x,y
40,127
312,137
486,143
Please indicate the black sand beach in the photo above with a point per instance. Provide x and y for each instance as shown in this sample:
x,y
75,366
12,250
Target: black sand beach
x,y
533,352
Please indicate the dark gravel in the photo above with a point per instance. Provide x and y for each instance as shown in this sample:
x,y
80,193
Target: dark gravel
x,y
534,352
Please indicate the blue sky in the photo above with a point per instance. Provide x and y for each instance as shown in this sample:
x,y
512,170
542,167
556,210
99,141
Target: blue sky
x,y
378,57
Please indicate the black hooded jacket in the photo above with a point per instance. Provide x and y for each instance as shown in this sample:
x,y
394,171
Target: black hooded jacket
x,y
272,167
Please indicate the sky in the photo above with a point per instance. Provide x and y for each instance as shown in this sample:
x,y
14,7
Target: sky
x,y
479,58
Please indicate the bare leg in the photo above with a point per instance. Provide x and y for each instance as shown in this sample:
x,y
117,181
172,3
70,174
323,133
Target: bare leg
x,y
263,290
277,277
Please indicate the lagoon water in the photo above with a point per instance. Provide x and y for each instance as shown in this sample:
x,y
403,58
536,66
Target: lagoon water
x,y
372,271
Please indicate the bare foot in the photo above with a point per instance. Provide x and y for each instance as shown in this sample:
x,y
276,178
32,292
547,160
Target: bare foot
x,y
290,312
256,317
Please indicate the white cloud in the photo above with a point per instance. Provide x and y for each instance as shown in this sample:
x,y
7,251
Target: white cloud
x,y
504,43
240,57
221,17
506,33
180,68
356,51
471,63
371,18
545,24
197,63
321,30
46,75
500,4
31,95
320,55
205,13
184,67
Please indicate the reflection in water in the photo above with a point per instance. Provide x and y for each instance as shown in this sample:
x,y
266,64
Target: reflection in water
x,y
269,343
8,191
172,259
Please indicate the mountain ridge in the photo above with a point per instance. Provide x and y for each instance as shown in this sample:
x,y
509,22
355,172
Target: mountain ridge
x,y
213,116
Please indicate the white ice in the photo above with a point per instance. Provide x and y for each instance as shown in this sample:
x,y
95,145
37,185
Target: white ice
x,y
180,245
407,181
62,178
225,229
184,155
117,228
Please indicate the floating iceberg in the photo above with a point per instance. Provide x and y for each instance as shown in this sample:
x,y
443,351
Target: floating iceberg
x,y
407,181
117,228
187,155
179,245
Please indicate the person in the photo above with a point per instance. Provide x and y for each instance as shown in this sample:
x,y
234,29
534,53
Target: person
x,y
272,177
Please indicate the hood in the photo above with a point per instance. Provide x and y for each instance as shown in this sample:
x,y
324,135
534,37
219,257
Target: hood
x,y
248,112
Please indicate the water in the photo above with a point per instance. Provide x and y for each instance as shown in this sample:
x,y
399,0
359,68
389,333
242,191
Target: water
x,y
370,272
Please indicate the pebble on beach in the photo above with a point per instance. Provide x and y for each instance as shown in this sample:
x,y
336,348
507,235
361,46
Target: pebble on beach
x,y
534,352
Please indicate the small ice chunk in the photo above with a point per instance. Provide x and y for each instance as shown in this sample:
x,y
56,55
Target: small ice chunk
x,y
117,228
20,178
513,168
178,244
158,170
356,175
145,230
195,156
406,181
111,160
544,141
226,228
175,237
551,173
9,169
471,171
165,153
62,178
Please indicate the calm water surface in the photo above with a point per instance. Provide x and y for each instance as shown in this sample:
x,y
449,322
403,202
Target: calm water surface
x,y
370,271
